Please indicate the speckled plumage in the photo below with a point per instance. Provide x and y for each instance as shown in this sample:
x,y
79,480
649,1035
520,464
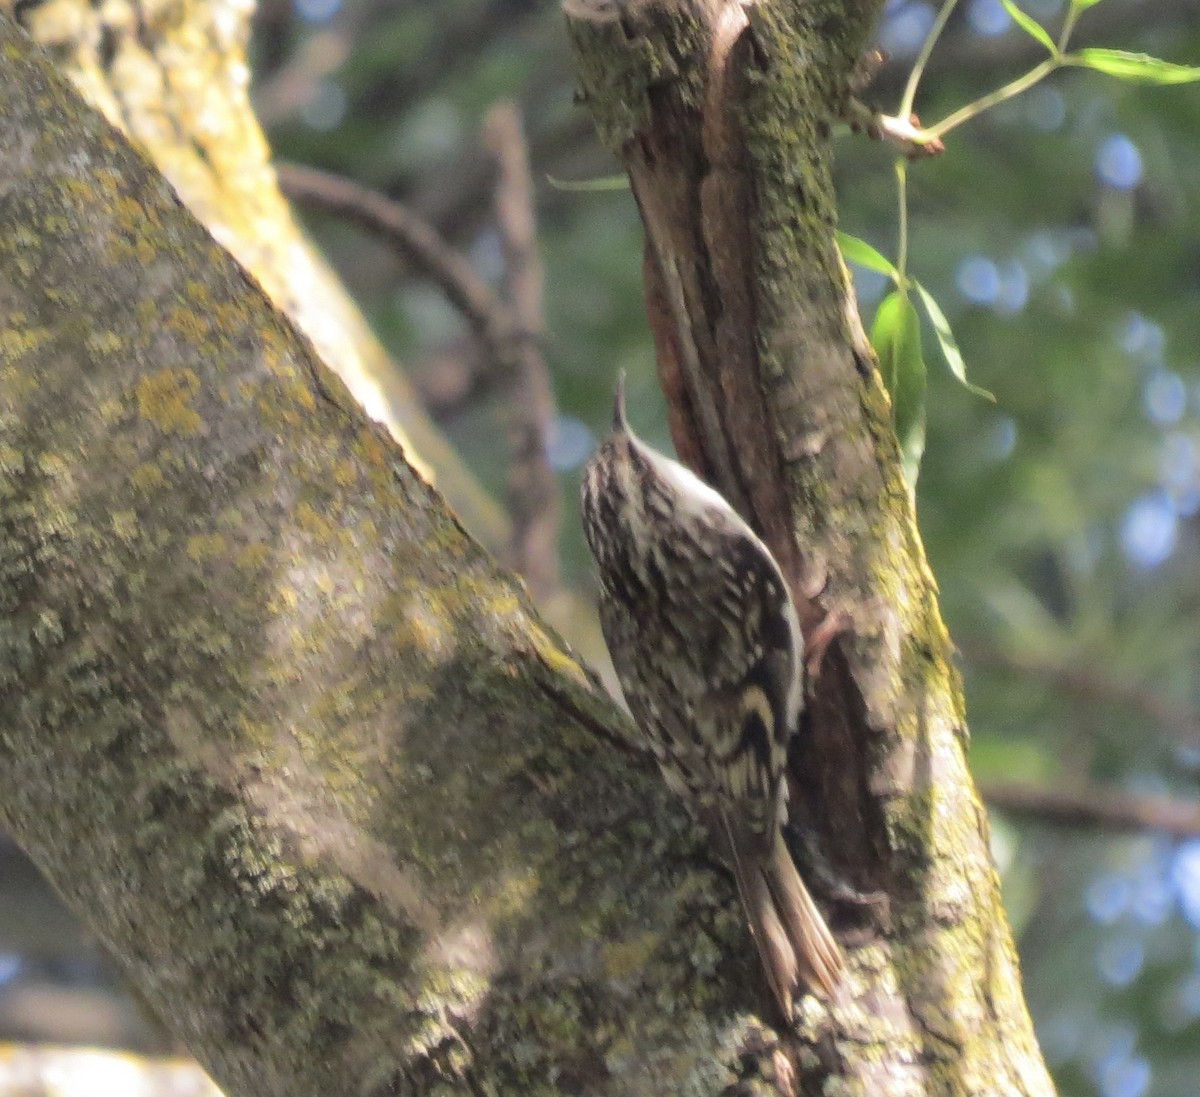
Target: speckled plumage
x,y
707,646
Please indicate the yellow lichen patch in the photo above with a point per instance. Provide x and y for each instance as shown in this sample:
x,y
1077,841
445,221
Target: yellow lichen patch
x,y
419,621
124,524
419,693
276,359
57,225
111,410
16,384
11,460
135,238
128,209
232,518
133,247
103,342
147,311
147,476
165,399
253,557
625,959
345,473
552,654
47,628
18,341
204,546
426,632
198,291
80,191
311,520
193,325
512,895
284,600
303,396
503,603
371,448
51,465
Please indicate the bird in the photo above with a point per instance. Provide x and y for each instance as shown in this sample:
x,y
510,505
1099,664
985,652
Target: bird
x,y
709,653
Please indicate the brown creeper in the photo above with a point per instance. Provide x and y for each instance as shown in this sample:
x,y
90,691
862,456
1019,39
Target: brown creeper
x,y
708,649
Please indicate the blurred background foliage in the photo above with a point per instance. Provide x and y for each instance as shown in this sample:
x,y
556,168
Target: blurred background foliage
x,y
1060,233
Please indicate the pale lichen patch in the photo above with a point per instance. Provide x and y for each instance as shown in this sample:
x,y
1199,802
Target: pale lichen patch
x,y
253,557
147,476
124,525
165,399
16,341
204,546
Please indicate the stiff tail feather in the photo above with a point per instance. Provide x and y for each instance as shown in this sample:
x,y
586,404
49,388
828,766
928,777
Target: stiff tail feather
x,y
797,950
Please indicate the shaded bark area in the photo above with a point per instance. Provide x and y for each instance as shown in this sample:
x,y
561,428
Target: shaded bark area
x,y
349,816
722,113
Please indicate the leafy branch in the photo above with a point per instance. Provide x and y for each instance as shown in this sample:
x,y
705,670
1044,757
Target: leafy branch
x,y
896,331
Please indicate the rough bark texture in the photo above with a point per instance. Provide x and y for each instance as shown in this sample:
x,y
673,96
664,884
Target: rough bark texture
x,y
350,818
722,112
172,76
304,756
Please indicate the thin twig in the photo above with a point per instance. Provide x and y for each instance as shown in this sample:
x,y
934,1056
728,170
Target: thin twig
x,y
1179,719
905,134
914,77
420,245
1000,95
1097,808
533,495
507,329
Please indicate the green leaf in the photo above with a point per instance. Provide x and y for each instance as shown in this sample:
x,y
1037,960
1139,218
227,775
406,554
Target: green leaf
x,y
1083,5
1030,26
605,182
896,337
859,251
946,340
1138,68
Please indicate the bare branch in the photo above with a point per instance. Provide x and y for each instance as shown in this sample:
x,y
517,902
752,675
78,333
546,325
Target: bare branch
x,y
507,329
415,240
533,497
1097,684
1096,808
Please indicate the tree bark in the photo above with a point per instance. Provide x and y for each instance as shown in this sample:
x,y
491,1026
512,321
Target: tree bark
x,y
348,815
172,75
722,113
351,818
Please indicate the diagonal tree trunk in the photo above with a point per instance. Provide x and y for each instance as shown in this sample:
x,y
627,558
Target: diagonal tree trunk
x,y
173,77
350,817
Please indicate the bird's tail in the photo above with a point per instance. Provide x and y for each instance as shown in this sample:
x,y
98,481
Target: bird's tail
x,y
798,952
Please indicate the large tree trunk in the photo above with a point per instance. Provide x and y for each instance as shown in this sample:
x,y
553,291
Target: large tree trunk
x,y
350,817
173,77
722,112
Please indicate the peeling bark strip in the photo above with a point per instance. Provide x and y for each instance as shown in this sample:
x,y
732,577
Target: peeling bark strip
x,y
700,173
689,174
721,111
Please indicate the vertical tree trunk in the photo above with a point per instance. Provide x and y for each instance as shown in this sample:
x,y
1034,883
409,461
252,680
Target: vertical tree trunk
x,y
351,819
722,113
